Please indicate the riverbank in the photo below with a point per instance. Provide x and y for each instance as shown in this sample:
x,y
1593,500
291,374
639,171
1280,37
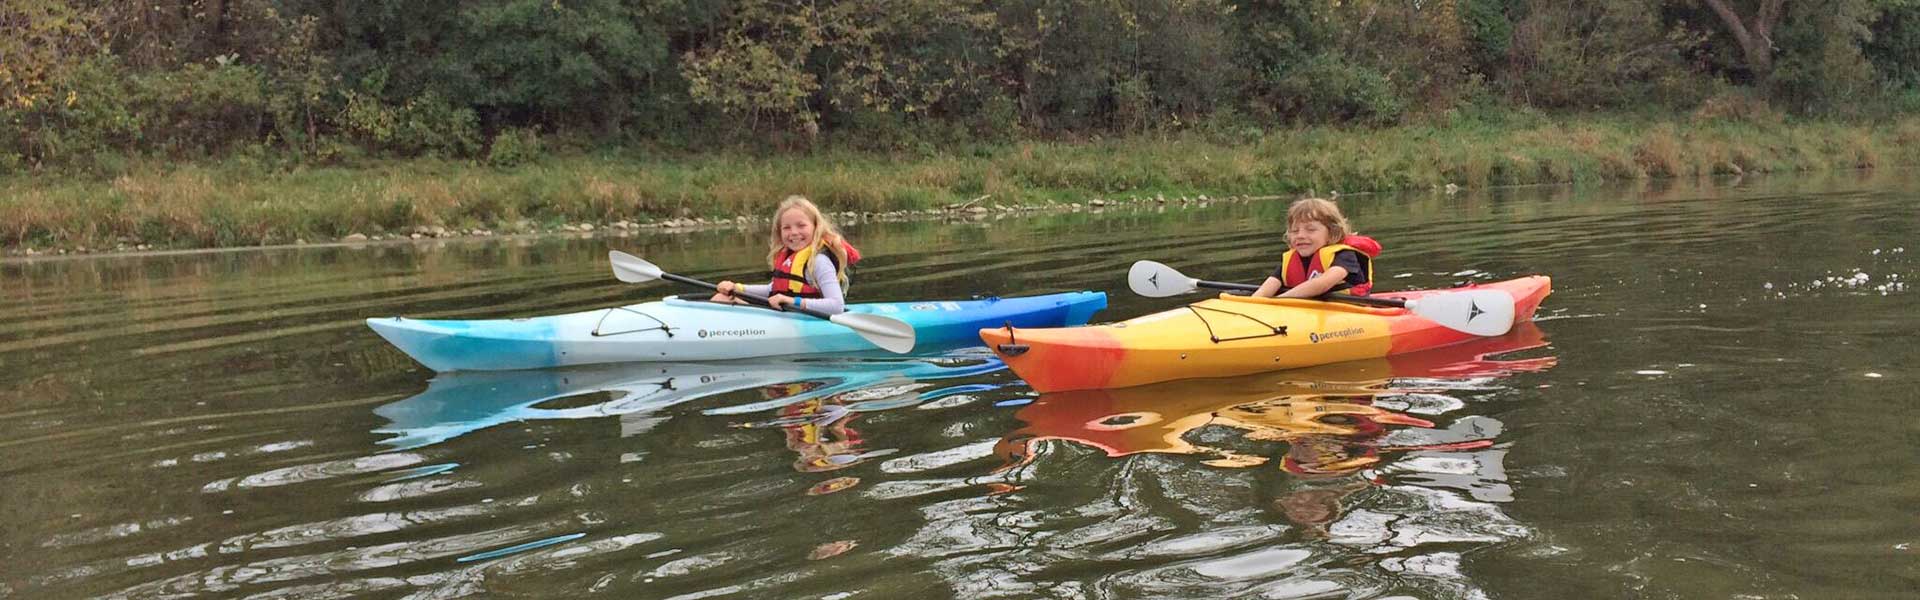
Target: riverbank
x,y
237,202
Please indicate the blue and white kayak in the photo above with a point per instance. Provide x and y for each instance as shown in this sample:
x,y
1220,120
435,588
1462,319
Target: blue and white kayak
x,y
676,329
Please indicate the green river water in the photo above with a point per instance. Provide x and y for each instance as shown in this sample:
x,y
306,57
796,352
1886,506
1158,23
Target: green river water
x,y
1717,401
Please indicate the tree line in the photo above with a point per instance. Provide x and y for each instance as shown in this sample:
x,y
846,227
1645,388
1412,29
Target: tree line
x,y
90,84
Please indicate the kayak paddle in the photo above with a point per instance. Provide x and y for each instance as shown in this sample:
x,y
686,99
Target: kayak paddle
x,y
889,333
1479,312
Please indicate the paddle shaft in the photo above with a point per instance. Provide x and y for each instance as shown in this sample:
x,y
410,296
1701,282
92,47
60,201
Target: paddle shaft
x,y
1347,298
750,297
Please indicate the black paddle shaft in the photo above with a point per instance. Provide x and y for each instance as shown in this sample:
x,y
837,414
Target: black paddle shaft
x,y
1347,298
753,298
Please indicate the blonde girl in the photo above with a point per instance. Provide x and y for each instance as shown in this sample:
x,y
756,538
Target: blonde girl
x,y
808,258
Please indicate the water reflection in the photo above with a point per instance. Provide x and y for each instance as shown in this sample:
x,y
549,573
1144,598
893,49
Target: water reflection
x,y
820,433
1334,419
456,404
1356,478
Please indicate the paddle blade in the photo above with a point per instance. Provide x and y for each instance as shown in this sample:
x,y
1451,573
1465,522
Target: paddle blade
x,y
632,269
890,334
1155,280
1479,312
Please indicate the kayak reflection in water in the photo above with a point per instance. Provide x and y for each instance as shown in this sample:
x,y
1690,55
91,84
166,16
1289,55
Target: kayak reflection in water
x,y
1314,507
822,438
818,430
1333,447
809,261
1334,421
1333,442
1325,435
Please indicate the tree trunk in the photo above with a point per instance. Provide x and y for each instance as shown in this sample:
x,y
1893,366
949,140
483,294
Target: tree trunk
x,y
1755,35
222,15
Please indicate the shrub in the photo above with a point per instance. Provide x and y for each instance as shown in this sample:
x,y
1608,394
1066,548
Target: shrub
x,y
514,146
423,124
201,109
1328,88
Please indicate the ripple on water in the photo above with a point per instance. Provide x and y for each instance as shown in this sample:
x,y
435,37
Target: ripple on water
x,y
318,471
416,489
334,564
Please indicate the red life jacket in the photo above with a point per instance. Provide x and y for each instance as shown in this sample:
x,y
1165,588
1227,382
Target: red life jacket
x,y
790,269
1298,271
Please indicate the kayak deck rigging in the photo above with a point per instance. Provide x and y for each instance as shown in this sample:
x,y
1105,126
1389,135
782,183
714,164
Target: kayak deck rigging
x,y
663,326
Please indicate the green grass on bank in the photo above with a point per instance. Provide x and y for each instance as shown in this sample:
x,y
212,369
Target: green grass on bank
x,y
231,204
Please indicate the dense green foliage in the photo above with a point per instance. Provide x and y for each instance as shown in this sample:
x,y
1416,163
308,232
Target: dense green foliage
x,y
96,84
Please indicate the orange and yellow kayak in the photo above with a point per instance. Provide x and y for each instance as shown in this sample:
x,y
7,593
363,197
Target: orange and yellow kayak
x,y
1233,335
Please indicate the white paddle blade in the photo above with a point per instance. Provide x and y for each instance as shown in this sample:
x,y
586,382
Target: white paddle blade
x,y
1479,312
1155,280
890,334
632,269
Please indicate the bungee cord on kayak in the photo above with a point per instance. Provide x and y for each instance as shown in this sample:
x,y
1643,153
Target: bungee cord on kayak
x,y
663,328
1273,330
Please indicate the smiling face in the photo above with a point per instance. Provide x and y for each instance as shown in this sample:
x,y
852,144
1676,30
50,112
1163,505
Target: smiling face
x,y
796,229
1307,237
